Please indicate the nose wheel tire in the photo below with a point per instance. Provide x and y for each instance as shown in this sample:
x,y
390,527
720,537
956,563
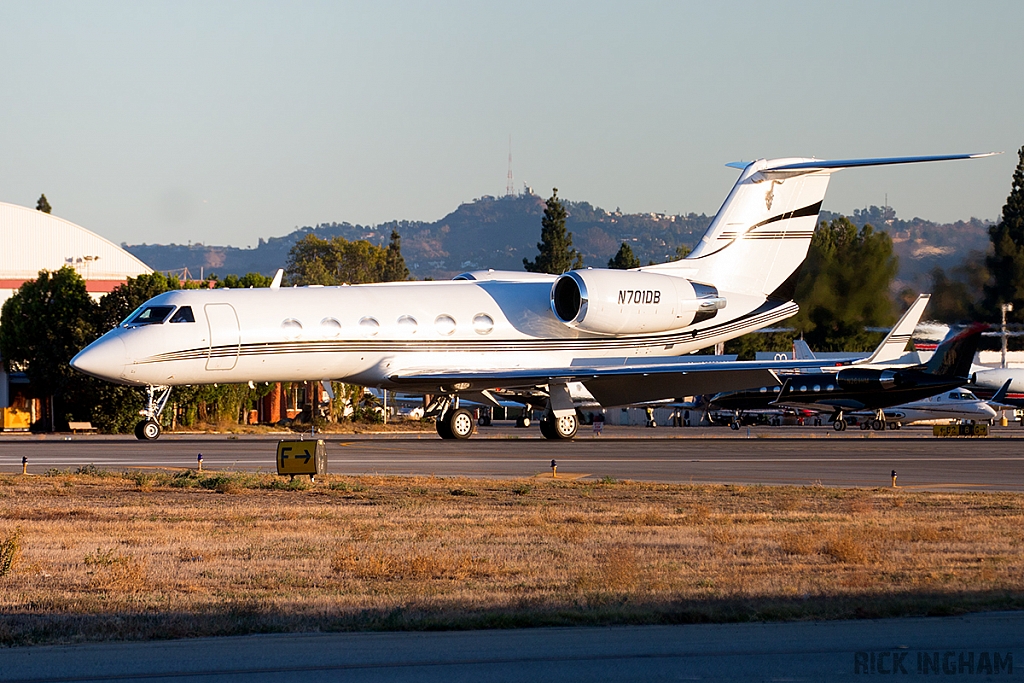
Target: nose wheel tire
x,y
147,430
839,425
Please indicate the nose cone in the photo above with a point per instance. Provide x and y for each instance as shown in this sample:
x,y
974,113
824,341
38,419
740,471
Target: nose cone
x,y
104,358
988,411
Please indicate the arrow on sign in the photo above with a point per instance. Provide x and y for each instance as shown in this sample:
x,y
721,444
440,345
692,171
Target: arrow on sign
x,y
308,456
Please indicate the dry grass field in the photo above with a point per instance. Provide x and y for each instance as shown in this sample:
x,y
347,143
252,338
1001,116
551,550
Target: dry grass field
x,y
97,555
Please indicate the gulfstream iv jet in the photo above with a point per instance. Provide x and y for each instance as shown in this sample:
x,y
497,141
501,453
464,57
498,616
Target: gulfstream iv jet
x,y
620,333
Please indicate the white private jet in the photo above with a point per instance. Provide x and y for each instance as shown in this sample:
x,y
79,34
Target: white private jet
x,y
609,329
958,405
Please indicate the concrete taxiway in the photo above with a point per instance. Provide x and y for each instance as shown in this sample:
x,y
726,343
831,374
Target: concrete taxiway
x,y
799,456
973,647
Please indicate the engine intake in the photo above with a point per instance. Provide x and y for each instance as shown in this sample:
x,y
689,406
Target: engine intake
x,y
631,302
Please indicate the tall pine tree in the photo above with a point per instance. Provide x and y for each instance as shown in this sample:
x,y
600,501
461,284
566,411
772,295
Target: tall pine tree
x,y
556,253
624,259
394,269
1006,262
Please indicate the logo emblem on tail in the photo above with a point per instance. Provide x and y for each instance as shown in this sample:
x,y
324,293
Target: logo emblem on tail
x,y
769,196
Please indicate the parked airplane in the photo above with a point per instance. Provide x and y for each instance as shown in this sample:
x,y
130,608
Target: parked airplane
x,y
865,388
887,354
955,405
999,385
485,330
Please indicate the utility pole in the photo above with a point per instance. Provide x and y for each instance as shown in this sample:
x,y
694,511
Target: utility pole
x,y
1005,308
510,188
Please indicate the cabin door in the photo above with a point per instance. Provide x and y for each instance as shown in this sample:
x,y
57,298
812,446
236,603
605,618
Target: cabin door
x,y
224,337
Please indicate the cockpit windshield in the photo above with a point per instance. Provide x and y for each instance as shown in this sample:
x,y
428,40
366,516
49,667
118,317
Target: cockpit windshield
x,y
151,315
183,315
962,396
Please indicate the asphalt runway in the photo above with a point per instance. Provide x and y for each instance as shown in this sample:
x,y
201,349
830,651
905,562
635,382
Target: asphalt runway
x,y
769,456
972,647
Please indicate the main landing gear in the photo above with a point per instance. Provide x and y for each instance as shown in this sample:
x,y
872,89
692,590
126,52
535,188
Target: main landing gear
x,y
839,422
455,424
555,427
879,424
156,400
452,422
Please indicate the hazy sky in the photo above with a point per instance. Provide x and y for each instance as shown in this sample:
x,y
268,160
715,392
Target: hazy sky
x,y
222,122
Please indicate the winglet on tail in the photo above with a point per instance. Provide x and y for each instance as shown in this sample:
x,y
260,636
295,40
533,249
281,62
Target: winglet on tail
x,y
895,343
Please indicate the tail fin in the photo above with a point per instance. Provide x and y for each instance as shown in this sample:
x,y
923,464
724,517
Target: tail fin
x,y
895,343
1000,396
759,238
954,356
802,351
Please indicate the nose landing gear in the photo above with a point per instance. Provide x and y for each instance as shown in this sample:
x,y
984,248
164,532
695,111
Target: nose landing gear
x,y
555,427
156,400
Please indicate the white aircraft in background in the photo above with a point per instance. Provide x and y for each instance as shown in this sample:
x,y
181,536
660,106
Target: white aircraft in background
x,y
1003,386
958,405
609,329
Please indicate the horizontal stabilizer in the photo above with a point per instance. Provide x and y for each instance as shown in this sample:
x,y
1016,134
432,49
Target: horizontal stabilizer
x,y
835,164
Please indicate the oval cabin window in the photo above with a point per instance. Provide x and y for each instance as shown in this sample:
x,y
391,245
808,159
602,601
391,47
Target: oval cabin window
x,y
407,324
483,323
292,328
369,326
444,324
330,327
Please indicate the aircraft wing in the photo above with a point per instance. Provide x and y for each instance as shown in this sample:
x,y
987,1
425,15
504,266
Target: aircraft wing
x,y
612,385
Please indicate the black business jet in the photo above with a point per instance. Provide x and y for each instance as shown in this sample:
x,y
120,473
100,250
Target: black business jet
x,y
864,388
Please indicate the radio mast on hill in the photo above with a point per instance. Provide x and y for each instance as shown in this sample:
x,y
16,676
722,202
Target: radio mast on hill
x,y
509,186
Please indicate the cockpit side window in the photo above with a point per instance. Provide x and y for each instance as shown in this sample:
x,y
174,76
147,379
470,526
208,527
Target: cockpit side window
x,y
151,315
183,315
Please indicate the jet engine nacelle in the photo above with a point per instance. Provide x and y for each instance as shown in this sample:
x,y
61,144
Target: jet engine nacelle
x,y
631,302
867,379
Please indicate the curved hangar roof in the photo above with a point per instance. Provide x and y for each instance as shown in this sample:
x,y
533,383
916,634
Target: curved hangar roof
x,y
33,241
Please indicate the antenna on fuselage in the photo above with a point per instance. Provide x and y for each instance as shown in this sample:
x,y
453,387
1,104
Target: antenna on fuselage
x,y
278,276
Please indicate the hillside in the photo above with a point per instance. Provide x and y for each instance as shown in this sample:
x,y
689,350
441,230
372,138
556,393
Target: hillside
x,y
498,233
923,245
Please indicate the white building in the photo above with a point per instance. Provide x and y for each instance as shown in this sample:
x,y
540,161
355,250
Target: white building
x,y
31,241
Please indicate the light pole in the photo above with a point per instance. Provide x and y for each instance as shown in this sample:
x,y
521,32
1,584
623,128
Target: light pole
x,y
1005,308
